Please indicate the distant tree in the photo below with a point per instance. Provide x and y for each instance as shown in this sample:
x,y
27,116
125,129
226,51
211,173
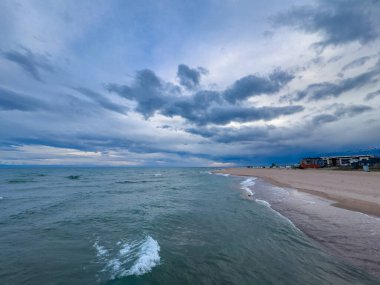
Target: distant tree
x,y
273,165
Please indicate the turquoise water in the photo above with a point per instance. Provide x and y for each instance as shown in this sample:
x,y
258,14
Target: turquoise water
x,y
150,226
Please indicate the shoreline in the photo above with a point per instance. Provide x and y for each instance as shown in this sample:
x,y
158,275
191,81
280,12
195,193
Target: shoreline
x,y
341,225
368,206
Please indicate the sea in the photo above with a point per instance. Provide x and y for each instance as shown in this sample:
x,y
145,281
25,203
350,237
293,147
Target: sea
x,y
152,226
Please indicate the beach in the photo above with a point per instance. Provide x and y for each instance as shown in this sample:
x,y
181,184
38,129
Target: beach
x,y
338,209
352,190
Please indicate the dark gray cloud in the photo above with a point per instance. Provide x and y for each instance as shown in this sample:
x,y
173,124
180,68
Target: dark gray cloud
x,y
324,118
149,91
221,115
337,22
272,135
372,95
102,100
325,90
204,106
10,100
253,85
356,63
352,110
30,62
190,77
335,58
340,111
228,135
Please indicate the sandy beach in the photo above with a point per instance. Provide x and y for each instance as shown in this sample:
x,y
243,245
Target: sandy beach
x,y
338,209
352,190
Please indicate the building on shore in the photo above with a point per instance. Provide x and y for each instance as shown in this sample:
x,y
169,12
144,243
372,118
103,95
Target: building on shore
x,y
311,162
340,161
344,160
373,162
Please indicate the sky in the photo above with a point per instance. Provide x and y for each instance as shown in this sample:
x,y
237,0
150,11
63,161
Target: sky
x,y
187,83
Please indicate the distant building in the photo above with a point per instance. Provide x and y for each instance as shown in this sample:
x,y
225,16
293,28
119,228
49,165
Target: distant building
x,y
355,161
373,162
311,162
344,160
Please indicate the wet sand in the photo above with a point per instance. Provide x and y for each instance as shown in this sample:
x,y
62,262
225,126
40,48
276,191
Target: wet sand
x,y
322,208
352,190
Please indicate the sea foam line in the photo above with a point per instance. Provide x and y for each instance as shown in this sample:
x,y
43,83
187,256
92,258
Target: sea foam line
x,y
134,258
246,184
222,174
263,202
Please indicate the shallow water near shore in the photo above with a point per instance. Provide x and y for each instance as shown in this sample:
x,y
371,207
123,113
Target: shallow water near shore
x,y
348,234
152,226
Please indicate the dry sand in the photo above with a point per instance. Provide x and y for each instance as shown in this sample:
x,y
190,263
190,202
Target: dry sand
x,y
352,190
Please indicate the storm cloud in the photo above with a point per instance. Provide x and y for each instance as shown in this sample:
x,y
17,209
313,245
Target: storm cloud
x,y
337,22
325,90
190,77
356,63
11,100
372,95
147,90
270,133
102,100
203,107
253,85
30,62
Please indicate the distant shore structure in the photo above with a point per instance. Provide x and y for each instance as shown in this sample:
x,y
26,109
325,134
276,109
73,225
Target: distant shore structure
x,y
355,161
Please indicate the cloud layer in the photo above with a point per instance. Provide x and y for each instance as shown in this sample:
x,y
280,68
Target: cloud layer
x,y
203,107
137,84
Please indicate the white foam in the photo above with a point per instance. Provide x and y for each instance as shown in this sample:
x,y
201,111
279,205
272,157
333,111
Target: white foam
x,y
114,266
135,258
157,174
263,202
101,251
250,193
1,198
125,249
250,182
148,257
222,174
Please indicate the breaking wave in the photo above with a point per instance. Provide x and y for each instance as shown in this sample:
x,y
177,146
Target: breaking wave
x,y
222,174
134,258
248,183
263,202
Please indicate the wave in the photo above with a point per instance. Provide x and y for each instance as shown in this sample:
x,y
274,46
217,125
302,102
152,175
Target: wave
x,y
250,182
267,204
222,174
148,257
101,251
128,182
13,181
134,181
134,258
73,177
263,202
